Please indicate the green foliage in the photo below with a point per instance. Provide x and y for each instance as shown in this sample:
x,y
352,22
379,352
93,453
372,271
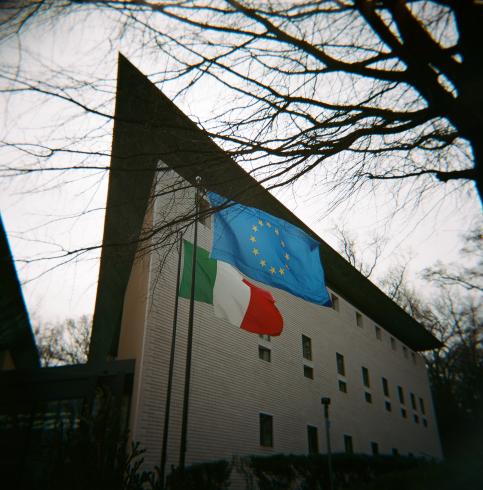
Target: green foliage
x,y
280,472
431,476
207,476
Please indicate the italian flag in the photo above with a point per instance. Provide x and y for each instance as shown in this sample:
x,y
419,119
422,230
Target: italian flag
x,y
234,298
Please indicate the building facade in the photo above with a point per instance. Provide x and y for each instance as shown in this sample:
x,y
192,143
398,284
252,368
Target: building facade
x,y
249,394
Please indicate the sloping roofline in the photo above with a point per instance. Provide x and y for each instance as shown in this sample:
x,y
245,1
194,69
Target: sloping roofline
x,y
148,127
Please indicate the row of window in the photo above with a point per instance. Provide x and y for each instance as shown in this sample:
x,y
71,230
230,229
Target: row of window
x,y
385,388
266,437
378,331
264,353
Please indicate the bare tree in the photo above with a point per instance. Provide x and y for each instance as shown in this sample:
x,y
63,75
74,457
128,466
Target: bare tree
x,y
64,342
362,90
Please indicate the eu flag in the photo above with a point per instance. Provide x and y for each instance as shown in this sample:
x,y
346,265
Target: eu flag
x,y
268,249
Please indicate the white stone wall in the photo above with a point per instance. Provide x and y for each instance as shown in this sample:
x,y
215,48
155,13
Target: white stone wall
x,y
230,385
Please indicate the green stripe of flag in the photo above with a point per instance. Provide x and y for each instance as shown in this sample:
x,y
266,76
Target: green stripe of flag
x,y
205,274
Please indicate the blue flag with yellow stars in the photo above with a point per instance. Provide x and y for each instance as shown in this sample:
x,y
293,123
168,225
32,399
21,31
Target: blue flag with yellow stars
x,y
268,249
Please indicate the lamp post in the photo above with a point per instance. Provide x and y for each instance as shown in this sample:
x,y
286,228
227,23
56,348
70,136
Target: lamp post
x,y
326,402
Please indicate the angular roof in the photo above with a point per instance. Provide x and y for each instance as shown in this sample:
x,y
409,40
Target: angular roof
x,y
148,127
16,334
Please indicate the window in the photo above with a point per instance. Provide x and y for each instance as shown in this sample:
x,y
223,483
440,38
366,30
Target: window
x,y
313,439
266,430
413,357
388,406
264,354
395,452
416,419
267,338
421,406
368,397
342,386
365,377
340,364
306,347
385,387
359,320
335,302
404,414
393,343
308,372
204,213
413,402
378,332
400,393
425,422
405,352
349,448
375,448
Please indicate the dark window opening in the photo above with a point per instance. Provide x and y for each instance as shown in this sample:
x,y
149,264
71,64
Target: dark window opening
x,y
343,386
313,439
306,347
308,372
375,448
264,354
340,364
266,430
385,387
348,446
365,377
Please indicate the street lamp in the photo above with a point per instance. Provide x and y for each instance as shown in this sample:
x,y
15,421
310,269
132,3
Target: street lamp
x,y
326,402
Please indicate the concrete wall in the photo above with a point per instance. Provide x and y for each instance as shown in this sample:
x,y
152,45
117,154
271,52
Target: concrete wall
x,y
230,385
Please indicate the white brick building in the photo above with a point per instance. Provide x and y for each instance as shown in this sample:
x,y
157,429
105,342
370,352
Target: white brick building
x,y
362,353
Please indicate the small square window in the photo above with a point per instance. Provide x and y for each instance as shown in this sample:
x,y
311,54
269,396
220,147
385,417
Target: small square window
x,y
404,414
335,302
365,377
359,321
413,357
264,354
388,406
378,332
393,343
348,446
340,364
306,347
425,422
421,406
416,418
308,372
313,439
375,448
342,386
385,387
368,397
405,351
266,430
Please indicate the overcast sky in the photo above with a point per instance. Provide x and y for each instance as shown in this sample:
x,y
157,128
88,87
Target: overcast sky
x,y
49,212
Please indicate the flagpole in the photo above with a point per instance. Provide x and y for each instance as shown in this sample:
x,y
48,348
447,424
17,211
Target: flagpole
x,y
171,367
189,346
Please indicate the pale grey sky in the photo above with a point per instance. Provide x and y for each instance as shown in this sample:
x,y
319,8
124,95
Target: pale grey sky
x,y
49,212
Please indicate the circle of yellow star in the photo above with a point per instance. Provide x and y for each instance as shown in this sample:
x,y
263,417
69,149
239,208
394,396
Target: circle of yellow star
x,y
255,251
254,228
272,270
253,239
263,262
281,271
260,222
